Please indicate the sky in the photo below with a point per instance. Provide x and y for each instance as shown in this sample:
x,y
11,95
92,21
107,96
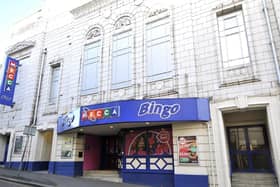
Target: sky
x,y
12,11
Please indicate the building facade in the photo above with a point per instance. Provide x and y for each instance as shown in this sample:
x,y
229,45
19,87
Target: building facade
x,y
166,94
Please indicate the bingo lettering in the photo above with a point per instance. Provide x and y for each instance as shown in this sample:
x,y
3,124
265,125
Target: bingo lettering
x,y
153,108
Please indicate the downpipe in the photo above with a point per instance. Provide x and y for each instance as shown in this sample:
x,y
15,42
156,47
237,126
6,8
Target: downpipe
x,y
34,119
275,59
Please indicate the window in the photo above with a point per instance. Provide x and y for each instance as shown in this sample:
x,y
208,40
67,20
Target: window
x,y
158,50
54,84
153,142
233,40
18,144
121,59
90,68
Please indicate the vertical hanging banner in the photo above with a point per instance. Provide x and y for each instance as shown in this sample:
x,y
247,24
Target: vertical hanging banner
x,y
9,81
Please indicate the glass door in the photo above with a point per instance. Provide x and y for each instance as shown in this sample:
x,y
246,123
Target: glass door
x,y
249,149
110,153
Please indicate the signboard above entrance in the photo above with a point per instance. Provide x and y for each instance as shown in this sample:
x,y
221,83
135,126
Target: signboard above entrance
x,y
139,111
150,110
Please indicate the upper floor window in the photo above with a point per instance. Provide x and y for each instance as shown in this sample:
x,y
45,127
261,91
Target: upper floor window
x,y
54,84
92,56
159,61
122,54
233,40
90,68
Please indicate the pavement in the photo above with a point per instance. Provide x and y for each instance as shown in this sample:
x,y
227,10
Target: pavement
x,y
40,179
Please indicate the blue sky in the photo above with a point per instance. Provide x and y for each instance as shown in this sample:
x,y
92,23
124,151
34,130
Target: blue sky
x,y
12,11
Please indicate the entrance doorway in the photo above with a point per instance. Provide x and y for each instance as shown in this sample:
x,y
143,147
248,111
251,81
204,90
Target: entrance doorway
x,y
249,149
4,141
110,153
102,152
44,148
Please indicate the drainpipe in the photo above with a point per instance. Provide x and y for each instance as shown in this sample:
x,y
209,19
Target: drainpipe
x,y
34,120
35,109
211,156
265,9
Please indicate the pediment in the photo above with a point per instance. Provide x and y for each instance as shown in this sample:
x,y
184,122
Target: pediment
x,y
20,46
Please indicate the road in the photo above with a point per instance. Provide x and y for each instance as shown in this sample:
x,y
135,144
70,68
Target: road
x,y
4,183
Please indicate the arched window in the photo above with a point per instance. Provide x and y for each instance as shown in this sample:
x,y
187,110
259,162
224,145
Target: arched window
x,y
91,61
122,53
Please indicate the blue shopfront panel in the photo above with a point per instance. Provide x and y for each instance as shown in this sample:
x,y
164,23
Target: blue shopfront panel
x,y
137,111
149,179
191,180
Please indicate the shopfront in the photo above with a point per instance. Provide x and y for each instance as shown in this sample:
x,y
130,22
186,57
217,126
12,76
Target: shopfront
x,y
141,139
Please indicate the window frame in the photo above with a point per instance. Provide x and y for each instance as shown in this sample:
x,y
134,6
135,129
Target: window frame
x,y
241,31
54,100
129,52
97,60
154,23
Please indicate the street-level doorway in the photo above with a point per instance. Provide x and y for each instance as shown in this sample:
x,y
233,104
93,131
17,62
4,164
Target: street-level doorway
x,y
249,149
5,141
102,152
44,148
110,152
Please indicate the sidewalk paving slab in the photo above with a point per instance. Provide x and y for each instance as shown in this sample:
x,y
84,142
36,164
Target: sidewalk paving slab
x,y
40,179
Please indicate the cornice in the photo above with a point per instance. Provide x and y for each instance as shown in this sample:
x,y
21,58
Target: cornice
x,y
20,46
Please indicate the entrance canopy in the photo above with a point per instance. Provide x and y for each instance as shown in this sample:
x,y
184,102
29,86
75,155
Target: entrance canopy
x,y
136,111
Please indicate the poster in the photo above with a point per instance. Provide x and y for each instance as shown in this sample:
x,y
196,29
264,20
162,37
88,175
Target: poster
x,y
66,148
187,149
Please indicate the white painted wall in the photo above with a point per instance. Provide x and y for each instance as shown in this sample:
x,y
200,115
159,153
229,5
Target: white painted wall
x,y
200,130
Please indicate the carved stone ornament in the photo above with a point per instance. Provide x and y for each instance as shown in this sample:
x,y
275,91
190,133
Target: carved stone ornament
x,y
95,32
107,13
157,12
122,22
20,46
138,2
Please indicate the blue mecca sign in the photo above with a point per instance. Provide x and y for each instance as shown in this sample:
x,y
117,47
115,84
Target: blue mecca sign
x,y
9,82
137,111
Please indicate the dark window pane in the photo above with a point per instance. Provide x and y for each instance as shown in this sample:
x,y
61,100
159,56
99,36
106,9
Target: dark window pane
x,y
237,139
260,161
256,138
240,161
160,141
136,143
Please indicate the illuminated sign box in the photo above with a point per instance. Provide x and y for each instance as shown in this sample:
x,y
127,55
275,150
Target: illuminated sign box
x,y
139,111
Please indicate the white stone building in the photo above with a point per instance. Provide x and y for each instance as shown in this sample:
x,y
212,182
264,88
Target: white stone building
x,y
166,94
